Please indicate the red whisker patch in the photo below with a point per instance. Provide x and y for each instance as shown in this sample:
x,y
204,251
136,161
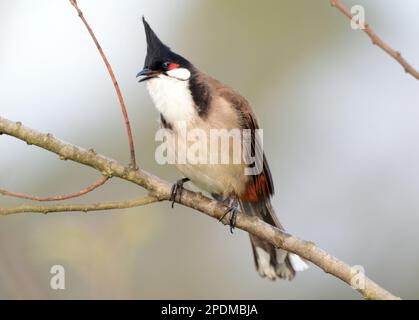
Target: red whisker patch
x,y
173,66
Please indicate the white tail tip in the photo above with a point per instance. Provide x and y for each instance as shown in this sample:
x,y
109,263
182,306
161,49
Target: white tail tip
x,y
297,263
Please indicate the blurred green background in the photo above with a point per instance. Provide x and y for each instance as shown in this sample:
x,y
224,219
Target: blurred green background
x,y
341,131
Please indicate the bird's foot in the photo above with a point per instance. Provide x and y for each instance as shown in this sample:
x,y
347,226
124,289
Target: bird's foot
x,y
177,188
233,209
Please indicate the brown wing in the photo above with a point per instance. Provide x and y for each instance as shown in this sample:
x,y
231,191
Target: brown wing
x,y
260,186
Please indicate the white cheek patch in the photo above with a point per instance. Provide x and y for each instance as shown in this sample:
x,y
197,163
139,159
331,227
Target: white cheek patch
x,y
180,74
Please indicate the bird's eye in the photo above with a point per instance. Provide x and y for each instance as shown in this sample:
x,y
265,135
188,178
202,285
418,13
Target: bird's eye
x,y
166,65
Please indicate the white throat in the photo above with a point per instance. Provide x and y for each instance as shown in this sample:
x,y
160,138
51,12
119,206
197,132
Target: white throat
x,y
172,97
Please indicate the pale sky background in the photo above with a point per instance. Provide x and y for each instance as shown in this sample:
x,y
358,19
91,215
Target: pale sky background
x,y
341,132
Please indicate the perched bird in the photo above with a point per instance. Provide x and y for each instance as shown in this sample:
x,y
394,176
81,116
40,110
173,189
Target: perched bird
x,y
187,97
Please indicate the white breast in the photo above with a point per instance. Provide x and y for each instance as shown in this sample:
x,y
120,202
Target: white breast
x,y
174,101
172,98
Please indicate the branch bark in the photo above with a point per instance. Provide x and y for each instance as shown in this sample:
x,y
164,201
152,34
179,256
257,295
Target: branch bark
x,y
80,207
376,40
160,189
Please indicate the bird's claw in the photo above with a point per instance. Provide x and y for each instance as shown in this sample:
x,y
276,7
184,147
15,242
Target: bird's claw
x,y
177,188
233,209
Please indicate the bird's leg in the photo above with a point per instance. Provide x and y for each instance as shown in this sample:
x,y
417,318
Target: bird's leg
x,y
177,187
233,209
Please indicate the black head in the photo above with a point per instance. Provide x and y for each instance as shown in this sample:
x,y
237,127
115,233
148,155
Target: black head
x,y
160,58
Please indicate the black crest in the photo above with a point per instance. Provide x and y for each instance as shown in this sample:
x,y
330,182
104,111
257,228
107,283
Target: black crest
x,y
158,52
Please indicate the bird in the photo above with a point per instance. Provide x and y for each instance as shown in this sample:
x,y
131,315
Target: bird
x,y
188,98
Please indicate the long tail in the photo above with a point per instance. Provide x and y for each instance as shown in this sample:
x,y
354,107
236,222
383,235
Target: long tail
x,y
271,262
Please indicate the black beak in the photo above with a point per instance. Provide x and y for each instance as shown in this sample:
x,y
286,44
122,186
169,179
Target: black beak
x,y
147,74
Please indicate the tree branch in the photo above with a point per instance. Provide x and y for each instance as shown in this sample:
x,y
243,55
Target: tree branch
x,y
80,207
376,40
161,189
101,181
133,163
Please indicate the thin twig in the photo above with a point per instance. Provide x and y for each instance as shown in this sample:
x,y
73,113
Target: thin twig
x,y
101,181
162,190
79,207
408,68
133,162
